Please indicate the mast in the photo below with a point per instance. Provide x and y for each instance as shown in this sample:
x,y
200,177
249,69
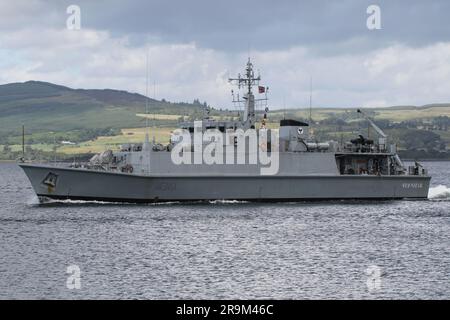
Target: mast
x,y
146,148
153,122
146,145
146,93
311,130
247,82
23,143
310,100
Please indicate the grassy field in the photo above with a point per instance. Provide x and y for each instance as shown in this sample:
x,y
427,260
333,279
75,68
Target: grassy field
x,y
131,135
157,116
39,146
102,143
316,114
395,114
402,115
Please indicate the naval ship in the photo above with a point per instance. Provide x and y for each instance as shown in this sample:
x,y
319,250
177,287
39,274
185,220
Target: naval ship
x,y
296,166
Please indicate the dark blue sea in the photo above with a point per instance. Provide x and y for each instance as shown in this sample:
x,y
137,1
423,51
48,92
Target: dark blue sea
x,y
224,250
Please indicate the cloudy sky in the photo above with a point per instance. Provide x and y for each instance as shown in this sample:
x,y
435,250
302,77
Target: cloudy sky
x,y
194,45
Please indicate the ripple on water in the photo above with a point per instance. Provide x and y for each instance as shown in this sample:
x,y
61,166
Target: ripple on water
x,y
224,249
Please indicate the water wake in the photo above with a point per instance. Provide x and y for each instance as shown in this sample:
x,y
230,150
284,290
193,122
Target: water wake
x,y
33,201
226,201
49,201
439,192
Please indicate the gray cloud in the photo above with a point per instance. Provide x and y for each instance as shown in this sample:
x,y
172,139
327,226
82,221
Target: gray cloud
x,y
234,25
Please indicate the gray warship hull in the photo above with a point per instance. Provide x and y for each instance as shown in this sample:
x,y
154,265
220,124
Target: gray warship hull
x,y
83,184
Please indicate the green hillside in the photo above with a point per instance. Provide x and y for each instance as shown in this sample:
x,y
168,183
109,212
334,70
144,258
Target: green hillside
x,y
45,107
